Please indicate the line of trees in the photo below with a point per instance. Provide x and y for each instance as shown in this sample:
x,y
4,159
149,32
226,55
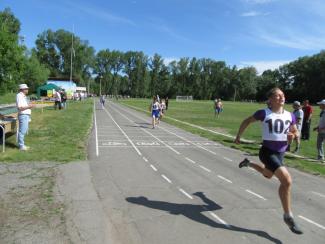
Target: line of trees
x,y
139,75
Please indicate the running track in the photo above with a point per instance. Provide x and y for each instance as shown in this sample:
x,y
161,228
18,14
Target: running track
x,y
169,186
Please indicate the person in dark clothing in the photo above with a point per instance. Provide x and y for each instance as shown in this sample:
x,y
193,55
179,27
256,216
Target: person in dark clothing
x,y
308,111
166,102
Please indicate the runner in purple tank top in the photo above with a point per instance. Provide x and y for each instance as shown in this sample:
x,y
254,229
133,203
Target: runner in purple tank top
x,y
278,127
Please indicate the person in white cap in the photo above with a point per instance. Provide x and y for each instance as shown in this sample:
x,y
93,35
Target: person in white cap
x,y
299,119
24,113
321,130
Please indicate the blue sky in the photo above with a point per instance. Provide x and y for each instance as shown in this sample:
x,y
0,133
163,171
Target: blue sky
x,y
262,33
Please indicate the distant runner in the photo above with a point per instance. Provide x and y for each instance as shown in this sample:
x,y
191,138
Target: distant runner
x,y
218,107
278,129
155,106
102,101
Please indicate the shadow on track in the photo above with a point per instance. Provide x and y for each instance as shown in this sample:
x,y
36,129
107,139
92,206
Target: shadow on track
x,y
194,212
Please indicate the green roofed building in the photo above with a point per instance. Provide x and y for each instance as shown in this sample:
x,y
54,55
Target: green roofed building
x,y
47,90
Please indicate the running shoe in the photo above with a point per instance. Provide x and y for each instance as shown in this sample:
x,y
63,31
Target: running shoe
x,y
244,163
292,225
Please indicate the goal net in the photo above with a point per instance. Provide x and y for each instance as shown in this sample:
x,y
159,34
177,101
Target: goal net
x,y
184,98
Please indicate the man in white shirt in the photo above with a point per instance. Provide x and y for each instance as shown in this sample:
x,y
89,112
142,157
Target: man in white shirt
x,y
57,100
24,113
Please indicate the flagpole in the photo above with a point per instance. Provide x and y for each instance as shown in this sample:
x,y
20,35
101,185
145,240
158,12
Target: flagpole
x,y
72,51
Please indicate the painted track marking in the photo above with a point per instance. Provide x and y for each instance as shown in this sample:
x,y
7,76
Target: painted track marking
x,y
166,178
96,135
318,194
219,219
185,193
204,168
255,194
136,149
190,160
224,178
312,222
153,167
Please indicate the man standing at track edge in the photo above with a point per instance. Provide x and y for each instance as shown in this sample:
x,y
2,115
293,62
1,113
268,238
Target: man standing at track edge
x,y
279,128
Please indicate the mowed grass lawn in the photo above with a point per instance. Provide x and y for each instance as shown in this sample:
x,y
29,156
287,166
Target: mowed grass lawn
x,y
54,135
201,113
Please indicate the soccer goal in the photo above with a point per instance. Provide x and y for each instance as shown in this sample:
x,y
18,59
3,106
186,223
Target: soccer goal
x,y
184,98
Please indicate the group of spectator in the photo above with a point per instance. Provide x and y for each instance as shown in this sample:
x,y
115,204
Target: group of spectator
x,y
303,116
60,99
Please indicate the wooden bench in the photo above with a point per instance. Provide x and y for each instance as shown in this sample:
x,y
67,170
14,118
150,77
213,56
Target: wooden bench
x,y
8,123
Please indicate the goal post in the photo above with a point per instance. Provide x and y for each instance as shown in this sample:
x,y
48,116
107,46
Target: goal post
x,y
184,98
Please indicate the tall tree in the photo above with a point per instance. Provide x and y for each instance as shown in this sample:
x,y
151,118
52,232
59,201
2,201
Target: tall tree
x,y
54,49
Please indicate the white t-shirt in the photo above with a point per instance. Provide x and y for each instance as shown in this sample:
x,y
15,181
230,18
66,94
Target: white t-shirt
x,y
299,115
21,101
155,106
275,126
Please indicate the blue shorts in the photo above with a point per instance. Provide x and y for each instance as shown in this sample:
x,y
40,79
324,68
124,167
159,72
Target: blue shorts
x,y
218,110
271,159
155,113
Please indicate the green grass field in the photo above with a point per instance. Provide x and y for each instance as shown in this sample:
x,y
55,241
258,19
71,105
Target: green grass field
x,y
201,113
8,98
54,135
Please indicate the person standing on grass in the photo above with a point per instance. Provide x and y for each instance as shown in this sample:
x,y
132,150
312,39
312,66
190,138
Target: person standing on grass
x,y
279,128
57,98
154,108
308,111
24,115
218,107
166,101
299,118
321,131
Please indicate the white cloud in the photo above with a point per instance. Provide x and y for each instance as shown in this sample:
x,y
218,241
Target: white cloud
x,y
102,14
253,14
261,66
296,41
167,30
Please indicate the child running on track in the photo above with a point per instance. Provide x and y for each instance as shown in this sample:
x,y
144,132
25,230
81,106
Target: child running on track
x,y
155,106
278,128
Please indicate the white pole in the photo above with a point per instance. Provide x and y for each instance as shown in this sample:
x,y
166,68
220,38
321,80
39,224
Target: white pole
x,y
72,53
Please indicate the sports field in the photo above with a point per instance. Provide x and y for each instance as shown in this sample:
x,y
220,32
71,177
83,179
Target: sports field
x,y
201,113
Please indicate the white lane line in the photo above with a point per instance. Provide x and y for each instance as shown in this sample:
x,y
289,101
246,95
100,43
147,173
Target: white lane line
x,y
318,194
166,178
175,151
228,159
255,194
190,160
184,139
149,133
224,178
145,159
219,219
185,193
153,167
312,222
96,136
136,149
204,168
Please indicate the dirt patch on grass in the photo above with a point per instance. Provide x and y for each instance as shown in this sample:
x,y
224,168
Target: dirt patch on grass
x,y
28,211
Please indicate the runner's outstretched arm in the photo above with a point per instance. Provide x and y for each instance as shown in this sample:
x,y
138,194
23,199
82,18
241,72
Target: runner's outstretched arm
x,y
243,126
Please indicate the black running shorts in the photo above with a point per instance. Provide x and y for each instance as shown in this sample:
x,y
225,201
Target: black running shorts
x,y
271,159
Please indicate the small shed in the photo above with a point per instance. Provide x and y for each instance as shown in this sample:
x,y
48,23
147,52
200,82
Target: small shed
x,y
47,89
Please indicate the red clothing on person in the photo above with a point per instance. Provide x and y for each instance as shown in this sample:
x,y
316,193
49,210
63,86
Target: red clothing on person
x,y
308,110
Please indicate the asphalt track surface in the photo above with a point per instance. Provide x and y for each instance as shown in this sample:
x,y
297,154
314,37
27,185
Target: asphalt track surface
x,y
166,185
